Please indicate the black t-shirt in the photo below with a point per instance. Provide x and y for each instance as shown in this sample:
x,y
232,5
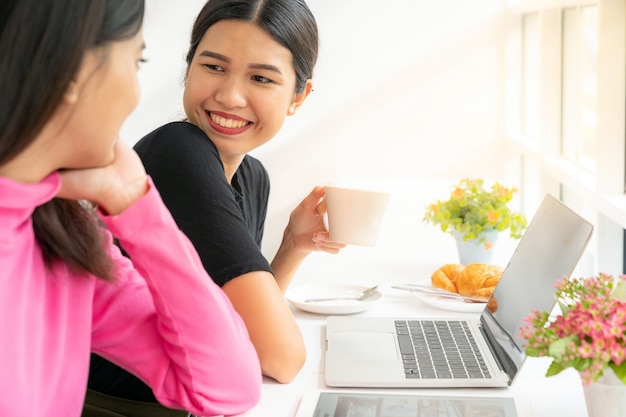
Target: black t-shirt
x,y
225,223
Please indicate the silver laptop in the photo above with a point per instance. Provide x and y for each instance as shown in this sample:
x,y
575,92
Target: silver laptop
x,y
403,352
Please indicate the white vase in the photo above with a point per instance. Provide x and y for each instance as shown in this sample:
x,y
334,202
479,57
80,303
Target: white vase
x,y
474,251
606,397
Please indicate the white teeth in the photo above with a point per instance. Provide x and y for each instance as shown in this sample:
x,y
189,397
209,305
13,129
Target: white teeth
x,y
228,123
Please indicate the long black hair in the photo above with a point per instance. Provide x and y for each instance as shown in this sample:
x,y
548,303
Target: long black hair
x,y
42,45
288,22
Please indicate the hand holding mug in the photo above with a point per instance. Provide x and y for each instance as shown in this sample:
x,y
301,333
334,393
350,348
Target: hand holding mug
x,y
355,216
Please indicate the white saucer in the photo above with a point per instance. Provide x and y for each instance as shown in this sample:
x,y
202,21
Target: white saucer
x,y
298,295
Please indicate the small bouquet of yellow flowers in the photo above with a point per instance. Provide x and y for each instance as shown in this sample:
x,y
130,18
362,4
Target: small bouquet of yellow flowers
x,y
473,210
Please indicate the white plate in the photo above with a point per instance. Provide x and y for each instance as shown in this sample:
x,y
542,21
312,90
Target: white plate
x,y
447,303
298,295
450,304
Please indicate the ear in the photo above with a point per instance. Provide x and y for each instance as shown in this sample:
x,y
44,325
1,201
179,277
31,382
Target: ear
x,y
71,94
91,62
300,97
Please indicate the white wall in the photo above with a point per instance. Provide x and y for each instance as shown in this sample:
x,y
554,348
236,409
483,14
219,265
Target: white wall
x,y
403,88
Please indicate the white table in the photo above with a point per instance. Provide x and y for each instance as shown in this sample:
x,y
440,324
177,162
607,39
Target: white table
x,y
560,395
407,250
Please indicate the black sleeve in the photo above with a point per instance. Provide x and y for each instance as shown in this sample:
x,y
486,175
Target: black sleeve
x,y
186,169
253,183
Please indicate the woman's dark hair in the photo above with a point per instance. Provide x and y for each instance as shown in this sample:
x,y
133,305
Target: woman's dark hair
x,y
288,22
42,45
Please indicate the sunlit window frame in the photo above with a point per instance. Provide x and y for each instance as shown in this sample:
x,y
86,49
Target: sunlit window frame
x,y
604,191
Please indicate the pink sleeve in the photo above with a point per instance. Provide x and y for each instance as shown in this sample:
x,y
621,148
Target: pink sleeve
x,y
180,333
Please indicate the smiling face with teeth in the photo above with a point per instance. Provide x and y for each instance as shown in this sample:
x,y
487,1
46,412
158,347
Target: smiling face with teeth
x,y
239,88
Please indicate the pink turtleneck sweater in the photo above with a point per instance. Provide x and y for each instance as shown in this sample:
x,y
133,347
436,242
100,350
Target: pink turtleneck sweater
x,y
164,319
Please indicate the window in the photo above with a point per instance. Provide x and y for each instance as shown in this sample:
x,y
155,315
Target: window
x,y
580,59
532,76
567,69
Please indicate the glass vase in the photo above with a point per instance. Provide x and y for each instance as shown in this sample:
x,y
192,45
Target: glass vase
x,y
606,397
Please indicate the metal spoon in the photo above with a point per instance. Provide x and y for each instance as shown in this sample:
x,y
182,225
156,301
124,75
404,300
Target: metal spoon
x,y
360,296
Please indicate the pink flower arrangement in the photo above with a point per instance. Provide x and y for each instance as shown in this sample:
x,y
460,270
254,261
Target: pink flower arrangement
x,y
590,333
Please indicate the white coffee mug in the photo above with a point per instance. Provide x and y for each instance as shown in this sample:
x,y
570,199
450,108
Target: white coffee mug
x,y
354,215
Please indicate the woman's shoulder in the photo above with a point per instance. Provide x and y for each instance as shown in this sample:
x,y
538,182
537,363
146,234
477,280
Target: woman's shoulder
x,y
176,127
174,131
254,166
175,137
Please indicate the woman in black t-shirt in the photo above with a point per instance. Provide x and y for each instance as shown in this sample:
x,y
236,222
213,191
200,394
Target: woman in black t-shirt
x,y
250,65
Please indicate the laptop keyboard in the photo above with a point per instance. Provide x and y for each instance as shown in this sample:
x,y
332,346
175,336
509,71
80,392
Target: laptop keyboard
x,y
436,349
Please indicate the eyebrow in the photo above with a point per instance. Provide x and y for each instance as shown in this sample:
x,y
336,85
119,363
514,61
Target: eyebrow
x,y
227,60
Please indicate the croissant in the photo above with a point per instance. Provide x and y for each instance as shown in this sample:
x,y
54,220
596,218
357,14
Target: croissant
x,y
446,277
478,280
474,280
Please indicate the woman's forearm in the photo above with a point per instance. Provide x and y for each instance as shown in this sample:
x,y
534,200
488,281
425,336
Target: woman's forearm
x,y
271,325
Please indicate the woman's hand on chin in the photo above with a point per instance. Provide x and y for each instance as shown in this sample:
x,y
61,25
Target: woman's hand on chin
x,y
114,187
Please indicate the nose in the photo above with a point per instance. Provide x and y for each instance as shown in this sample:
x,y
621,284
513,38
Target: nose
x,y
231,93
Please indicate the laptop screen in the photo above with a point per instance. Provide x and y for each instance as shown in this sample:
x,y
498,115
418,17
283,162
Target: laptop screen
x,y
548,251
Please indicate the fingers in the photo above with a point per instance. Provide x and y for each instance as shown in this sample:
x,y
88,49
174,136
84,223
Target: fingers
x,y
312,201
113,187
321,208
322,243
330,247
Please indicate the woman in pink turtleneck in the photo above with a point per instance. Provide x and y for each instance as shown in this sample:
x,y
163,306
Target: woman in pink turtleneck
x,y
67,81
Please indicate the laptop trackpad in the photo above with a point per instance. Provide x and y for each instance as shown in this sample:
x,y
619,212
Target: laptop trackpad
x,y
351,346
